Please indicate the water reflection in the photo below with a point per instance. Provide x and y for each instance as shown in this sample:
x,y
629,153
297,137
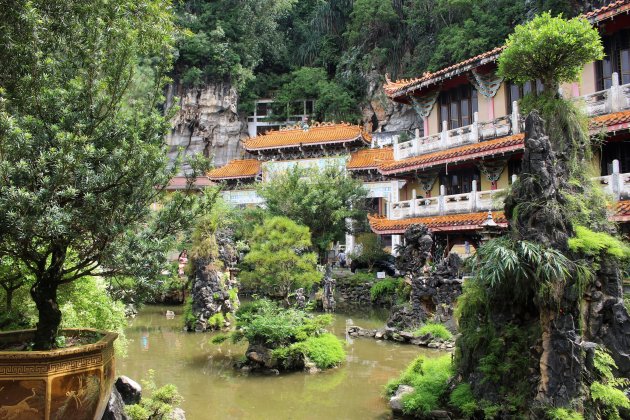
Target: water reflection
x,y
214,390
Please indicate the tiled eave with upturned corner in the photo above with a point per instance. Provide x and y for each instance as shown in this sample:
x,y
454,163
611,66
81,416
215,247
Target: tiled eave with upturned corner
x,y
237,169
340,136
622,212
399,90
609,124
368,159
447,223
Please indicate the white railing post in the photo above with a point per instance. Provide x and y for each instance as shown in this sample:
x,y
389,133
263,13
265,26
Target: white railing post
x,y
414,203
396,239
614,99
442,200
514,178
416,143
475,127
396,150
516,126
616,180
473,196
444,134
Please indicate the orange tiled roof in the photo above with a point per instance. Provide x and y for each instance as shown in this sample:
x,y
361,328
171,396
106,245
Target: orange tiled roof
x,y
246,168
456,154
622,211
370,158
464,221
612,122
608,11
316,134
401,87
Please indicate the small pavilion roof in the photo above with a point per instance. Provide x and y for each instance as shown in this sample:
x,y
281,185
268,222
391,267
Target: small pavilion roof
x,y
370,158
236,169
316,134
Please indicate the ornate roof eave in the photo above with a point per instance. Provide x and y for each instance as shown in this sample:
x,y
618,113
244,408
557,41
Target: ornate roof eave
x,y
462,222
305,145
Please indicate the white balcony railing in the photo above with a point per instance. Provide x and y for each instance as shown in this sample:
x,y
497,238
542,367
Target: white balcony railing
x,y
614,99
617,185
469,134
446,204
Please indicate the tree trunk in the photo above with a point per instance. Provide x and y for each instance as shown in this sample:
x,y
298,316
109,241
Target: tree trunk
x,y
44,294
9,297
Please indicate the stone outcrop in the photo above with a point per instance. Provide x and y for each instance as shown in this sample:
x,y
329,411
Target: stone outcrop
x,y
380,113
130,390
214,293
115,409
207,122
404,337
433,290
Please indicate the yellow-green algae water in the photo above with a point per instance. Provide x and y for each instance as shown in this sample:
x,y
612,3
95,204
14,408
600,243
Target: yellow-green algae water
x,y
212,389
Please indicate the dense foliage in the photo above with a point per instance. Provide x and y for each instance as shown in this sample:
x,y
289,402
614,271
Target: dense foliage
x,y
368,250
159,405
293,335
262,47
81,150
322,200
279,260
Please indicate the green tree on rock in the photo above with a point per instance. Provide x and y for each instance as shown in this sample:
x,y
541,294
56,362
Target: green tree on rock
x,y
279,260
82,142
322,200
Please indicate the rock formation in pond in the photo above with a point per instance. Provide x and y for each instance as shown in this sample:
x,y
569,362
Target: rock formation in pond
x,y
549,325
328,298
207,122
214,294
433,290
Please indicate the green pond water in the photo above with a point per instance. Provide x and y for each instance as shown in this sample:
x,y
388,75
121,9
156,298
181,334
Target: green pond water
x,y
212,389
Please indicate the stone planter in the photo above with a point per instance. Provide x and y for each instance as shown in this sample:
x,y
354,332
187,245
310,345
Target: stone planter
x,y
70,383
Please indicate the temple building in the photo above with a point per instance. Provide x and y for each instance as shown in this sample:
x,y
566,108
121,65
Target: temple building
x,y
451,173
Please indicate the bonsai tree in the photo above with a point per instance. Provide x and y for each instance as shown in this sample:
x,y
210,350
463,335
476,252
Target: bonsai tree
x,y
322,200
81,142
551,49
278,259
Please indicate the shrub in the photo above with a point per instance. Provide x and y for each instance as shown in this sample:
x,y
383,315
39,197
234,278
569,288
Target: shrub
x,y
159,405
563,414
386,287
592,243
436,330
429,378
325,351
189,317
462,398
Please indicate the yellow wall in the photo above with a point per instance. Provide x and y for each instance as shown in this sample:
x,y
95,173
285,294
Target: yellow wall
x,y
435,126
484,107
587,84
500,102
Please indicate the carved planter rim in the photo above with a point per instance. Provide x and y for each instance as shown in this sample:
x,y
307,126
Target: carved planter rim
x,y
105,341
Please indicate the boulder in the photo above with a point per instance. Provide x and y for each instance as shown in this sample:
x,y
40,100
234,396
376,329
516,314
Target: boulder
x,y
395,402
177,414
129,390
115,409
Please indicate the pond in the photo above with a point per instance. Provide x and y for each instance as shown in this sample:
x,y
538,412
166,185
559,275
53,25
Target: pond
x,y
212,389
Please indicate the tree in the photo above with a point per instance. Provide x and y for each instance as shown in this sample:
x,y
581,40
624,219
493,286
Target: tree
x,y
279,259
322,200
369,250
551,49
81,142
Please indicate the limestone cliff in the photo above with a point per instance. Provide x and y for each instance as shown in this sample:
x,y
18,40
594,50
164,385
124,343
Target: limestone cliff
x,y
207,122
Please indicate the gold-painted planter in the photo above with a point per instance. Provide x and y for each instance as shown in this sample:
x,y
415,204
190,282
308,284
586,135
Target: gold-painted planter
x,y
71,383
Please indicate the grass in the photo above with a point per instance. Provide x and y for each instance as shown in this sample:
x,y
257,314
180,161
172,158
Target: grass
x,y
325,351
429,378
436,330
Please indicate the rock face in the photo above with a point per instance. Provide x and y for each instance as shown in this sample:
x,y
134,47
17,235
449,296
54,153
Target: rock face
x,y
207,122
129,390
115,409
433,291
214,293
381,113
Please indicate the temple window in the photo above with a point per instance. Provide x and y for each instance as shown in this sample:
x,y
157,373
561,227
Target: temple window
x,y
617,59
460,181
458,105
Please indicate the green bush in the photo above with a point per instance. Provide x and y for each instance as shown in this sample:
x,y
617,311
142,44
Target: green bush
x,y
159,405
592,243
429,377
563,414
385,287
462,398
325,351
436,330
189,317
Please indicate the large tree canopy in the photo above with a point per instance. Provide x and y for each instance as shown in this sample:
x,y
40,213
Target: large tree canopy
x,y
322,200
81,140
